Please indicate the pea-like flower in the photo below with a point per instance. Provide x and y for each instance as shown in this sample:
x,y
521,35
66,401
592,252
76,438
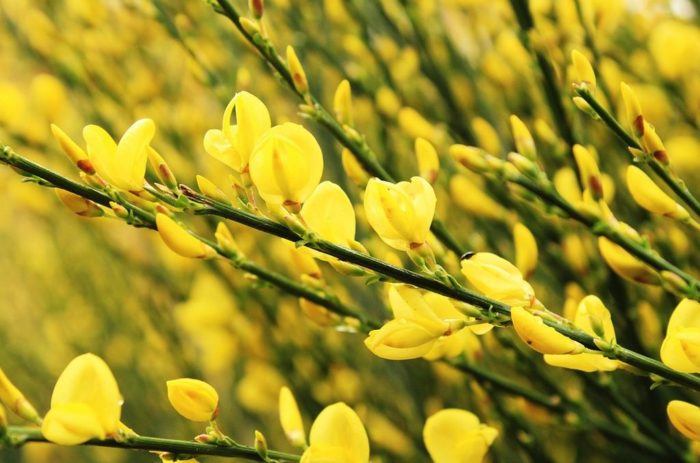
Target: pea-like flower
x,y
337,436
400,213
329,213
233,144
681,347
85,404
290,418
497,278
647,194
193,399
121,164
540,337
180,241
286,165
456,436
685,417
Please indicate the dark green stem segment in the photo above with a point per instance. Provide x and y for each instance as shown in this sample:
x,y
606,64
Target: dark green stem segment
x,y
487,305
359,148
17,436
674,183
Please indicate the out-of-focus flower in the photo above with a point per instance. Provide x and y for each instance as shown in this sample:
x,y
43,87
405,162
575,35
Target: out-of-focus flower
x,y
290,418
85,404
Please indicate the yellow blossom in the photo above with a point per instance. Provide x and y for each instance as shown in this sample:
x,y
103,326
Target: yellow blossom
x,y
400,213
297,71
651,197
633,109
122,164
337,436
342,103
498,279
428,160
15,400
180,241
681,347
524,143
290,418
193,399
85,404
540,337
233,144
588,171
74,152
685,417
456,436
329,213
584,71
525,249
79,205
286,165
625,264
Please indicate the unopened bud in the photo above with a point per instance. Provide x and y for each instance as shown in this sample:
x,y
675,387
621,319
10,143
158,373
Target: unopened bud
x,y
74,152
79,205
342,103
261,445
250,27
297,71
13,399
524,142
583,105
653,144
210,190
354,169
471,157
119,210
633,108
257,8
585,75
161,168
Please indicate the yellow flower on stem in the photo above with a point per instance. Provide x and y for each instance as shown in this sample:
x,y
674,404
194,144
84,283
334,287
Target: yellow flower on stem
x,y
15,400
233,144
681,347
85,404
121,164
594,318
180,241
497,278
400,213
286,165
79,205
342,103
74,152
625,264
428,160
456,436
193,399
633,108
685,417
651,197
525,249
585,75
540,337
337,436
524,143
329,213
589,172
290,418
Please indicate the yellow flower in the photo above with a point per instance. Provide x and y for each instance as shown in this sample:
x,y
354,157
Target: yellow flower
x,y
594,318
401,213
404,339
428,160
625,264
286,165
337,436
524,143
633,108
15,400
647,194
180,241
497,278
353,169
584,71
329,213
456,436
540,337
685,417
290,418
525,249
85,404
121,164
297,71
588,171
193,399
681,347
342,103
74,152
233,144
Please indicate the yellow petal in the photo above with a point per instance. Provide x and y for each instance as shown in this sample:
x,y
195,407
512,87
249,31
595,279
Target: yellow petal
x,y
88,380
540,337
625,264
456,436
132,155
584,70
329,212
74,152
594,318
193,399
582,362
181,242
297,71
71,424
428,160
404,339
101,149
339,426
524,143
685,315
588,171
342,103
633,108
497,278
647,194
525,249
290,418
685,417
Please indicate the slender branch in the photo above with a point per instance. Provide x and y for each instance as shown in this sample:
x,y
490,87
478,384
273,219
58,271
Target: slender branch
x,y
17,436
489,308
674,183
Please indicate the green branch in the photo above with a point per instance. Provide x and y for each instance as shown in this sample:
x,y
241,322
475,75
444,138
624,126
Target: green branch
x,y
17,436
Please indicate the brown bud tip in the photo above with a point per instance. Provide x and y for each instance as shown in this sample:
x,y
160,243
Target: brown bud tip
x,y
638,125
661,156
86,166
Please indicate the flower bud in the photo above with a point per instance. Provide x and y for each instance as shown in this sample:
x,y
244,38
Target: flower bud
x,y
297,71
342,103
525,249
524,143
680,349
653,144
257,8
585,75
428,160
588,171
162,169
180,241
633,108
471,157
74,152
210,190
79,205
290,418
685,417
193,399
647,194
625,264
15,400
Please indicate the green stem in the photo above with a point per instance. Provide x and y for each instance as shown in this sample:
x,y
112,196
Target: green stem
x,y
18,436
668,177
488,306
